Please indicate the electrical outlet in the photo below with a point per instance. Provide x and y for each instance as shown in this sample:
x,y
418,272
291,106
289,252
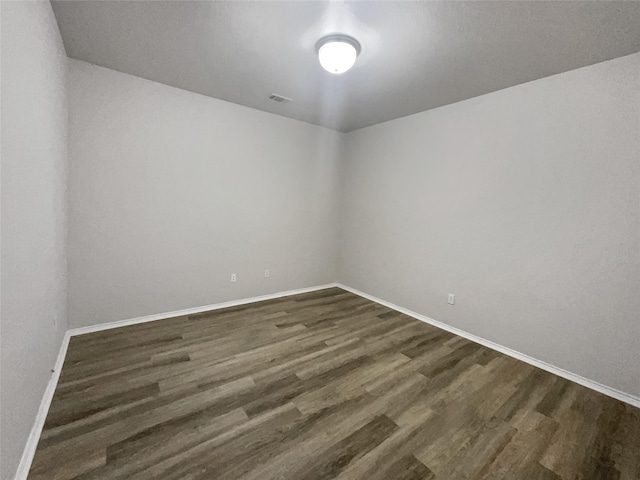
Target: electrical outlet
x,y
452,299
233,277
267,273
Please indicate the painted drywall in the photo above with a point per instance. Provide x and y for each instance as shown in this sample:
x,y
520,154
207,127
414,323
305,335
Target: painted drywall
x,y
33,307
171,192
525,204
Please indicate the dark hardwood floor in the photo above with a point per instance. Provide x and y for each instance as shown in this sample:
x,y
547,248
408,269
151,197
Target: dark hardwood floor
x,y
318,386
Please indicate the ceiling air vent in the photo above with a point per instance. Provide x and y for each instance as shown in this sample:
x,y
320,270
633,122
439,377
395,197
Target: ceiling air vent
x,y
279,98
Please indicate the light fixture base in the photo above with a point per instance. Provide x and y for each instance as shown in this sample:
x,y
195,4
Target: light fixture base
x,y
338,37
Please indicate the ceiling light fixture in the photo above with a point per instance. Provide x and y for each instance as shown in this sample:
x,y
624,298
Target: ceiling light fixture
x,y
337,53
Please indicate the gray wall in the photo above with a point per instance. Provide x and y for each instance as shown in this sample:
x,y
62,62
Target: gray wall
x,y
170,192
33,280
524,203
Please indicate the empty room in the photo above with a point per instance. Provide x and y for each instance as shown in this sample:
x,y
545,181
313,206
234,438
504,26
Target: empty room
x,y
305,240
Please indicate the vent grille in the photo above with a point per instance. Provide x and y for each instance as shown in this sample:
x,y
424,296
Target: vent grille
x,y
274,97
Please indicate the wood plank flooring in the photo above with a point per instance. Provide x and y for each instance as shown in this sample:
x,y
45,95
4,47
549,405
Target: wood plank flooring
x,y
320,386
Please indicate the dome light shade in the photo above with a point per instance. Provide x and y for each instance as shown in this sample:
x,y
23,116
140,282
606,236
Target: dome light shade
x,y
337,53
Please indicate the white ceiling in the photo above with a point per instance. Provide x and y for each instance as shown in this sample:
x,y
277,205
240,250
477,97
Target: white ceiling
x,y
415,55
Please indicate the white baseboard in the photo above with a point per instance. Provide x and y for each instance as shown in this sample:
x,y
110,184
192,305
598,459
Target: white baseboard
x,y
585,382
34,436
192,311
36,430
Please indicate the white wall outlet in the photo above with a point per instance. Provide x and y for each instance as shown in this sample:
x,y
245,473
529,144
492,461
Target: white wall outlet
x,y
267,274
452,299
233,277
